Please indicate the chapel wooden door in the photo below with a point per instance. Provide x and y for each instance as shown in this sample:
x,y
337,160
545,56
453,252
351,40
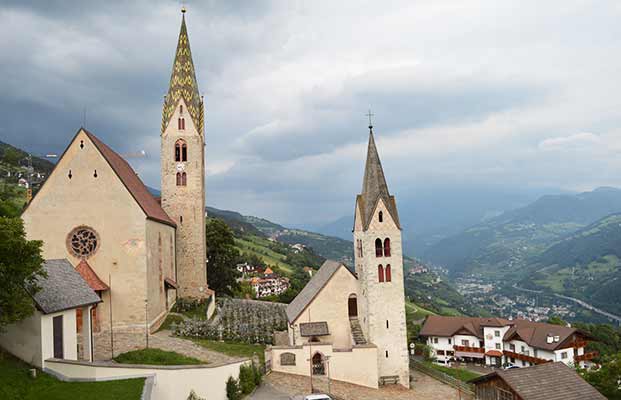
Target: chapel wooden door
x,y
57,323
353,307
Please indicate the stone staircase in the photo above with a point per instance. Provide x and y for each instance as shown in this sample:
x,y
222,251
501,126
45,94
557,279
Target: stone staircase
x,y
356,332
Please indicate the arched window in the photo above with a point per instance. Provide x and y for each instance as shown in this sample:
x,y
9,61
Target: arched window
x,y
181,109
178,178
379,251
380,216
380,273
184,179
181,123
387,247
181,150
388,273
360,248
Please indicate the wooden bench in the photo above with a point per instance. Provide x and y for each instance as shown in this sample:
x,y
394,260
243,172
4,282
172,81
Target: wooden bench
x,y
394,379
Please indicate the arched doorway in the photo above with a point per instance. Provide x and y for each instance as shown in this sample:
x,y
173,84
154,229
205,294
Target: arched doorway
x,y
352,306
318,367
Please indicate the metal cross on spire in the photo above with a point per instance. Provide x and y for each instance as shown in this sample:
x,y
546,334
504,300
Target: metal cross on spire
x,y
369,114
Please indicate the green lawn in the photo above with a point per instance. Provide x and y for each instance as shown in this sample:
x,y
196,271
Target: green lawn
x,y
156,357
234,349
458,373
16,384
414,312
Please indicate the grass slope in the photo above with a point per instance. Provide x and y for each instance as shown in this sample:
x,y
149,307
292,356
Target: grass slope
x,y
156,357
259,246
15,383
233,349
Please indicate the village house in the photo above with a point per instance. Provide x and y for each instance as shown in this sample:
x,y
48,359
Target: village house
x,y
553,380
269,286
499,342
63,302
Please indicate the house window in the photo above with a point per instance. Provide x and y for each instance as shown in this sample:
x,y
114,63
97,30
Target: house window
x,y
465,343
497,333
523,349
380,216
440,352
387,324
379,250
564,355
387,247
449,340
181,150
502,394
497,346
380,273
512,347
435,340
388,273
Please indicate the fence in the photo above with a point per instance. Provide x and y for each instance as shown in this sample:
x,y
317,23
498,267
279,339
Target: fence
x,y
442,377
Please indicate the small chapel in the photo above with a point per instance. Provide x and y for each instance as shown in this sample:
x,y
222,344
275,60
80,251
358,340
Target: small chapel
x,y
137,252
348,324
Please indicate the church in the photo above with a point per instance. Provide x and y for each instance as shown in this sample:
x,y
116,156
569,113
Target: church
x,y
139,253
350,325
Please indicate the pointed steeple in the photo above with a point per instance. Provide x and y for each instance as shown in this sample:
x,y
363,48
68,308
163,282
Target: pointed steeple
x,y
183,83
374,186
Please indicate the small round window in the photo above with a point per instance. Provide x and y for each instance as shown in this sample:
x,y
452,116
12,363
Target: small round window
x,y
83,242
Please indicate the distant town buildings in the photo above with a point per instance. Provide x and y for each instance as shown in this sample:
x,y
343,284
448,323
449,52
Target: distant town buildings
x,y
264,282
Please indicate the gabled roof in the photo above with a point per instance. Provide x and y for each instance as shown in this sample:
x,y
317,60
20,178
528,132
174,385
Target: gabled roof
x,y
374,188
183,84
87,273
549,381
312,288
62,289
532,333
438,325
130,179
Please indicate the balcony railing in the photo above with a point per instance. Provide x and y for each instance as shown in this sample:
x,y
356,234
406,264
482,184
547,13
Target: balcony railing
x,y
586,356
579,343
524,357
469,349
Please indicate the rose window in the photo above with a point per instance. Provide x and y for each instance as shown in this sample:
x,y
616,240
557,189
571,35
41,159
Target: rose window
x,y
83,242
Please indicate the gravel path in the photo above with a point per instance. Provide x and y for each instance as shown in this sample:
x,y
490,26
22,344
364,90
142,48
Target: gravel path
x,y
163,340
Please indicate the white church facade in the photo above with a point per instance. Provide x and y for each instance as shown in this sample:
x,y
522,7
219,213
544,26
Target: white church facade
x,y
350,325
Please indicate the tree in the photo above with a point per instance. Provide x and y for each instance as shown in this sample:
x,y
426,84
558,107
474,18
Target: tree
x,y
20,266
556,320
12,156
222,257
233,391
607,378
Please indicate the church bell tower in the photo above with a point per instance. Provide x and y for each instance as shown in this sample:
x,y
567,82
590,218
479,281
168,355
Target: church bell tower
x,y
379,267
183,169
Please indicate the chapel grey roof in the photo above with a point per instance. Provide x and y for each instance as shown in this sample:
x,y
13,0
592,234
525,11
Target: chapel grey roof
x,y
312,288
63,289
550,381
374,188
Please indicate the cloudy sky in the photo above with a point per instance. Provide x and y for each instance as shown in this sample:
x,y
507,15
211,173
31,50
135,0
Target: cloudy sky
x,y
502,94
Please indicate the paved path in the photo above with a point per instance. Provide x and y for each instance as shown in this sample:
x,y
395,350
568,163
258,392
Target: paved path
x,y
423,388
268,392
163,340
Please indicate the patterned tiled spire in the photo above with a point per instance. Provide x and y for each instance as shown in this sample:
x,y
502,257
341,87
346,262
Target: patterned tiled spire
x,y
374,186
183,83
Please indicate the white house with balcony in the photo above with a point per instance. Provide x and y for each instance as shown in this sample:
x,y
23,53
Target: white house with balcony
x,y
498,342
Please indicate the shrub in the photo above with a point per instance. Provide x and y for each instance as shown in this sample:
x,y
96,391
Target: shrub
x,y
246,379
232,389
258,376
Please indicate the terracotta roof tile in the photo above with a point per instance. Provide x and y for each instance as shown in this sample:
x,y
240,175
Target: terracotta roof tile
x,y
90,276
130,179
